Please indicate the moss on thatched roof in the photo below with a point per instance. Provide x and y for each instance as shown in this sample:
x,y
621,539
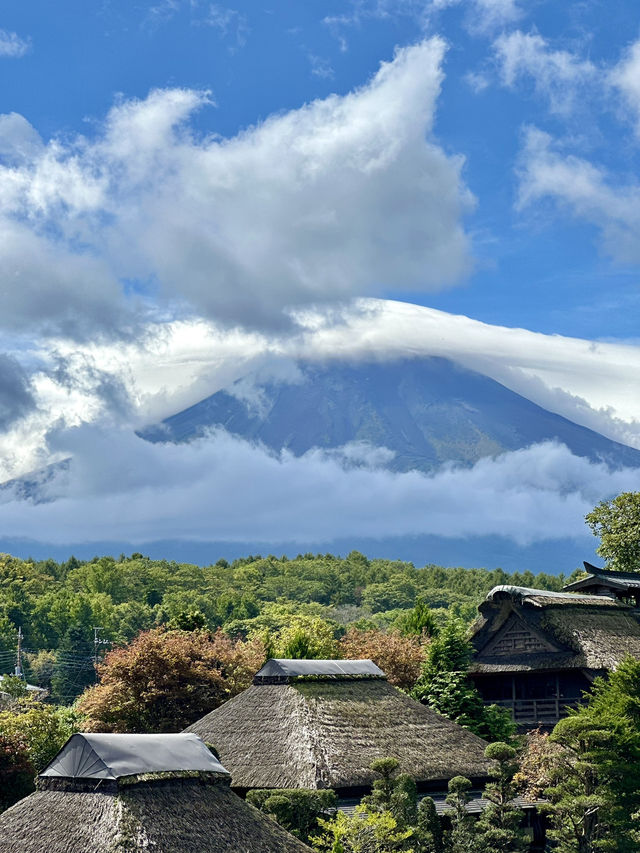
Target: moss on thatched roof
x,y
173,816
325,734
585,632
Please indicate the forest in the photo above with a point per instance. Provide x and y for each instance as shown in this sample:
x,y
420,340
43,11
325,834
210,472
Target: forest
x,y
71,613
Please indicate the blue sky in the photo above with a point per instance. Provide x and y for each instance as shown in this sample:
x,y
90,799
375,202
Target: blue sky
x,y
539,267
189,189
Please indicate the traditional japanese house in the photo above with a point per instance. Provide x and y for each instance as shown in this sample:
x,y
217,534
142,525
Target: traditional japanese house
x,y
320,724
625,586
134,793
536,652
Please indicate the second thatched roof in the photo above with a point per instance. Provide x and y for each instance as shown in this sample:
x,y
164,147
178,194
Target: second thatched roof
x,y
522,630
321,732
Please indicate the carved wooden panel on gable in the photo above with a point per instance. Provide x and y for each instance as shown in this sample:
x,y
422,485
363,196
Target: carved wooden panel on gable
x,y
516,638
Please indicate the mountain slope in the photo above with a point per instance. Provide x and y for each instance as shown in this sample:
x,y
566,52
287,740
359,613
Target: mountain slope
x,y
428,411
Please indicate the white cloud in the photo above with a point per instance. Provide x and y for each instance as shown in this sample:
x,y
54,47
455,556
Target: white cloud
x,y
224,489
482,16
19,141
557,75
583,189
321,67
490,15
12,46
364,200
229,23
625,77
477,81
568,375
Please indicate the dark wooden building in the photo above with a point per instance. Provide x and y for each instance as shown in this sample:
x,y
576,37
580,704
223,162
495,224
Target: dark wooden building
x,y
624,586
536,652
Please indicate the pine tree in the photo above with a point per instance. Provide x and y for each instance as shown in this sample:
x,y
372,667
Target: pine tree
x,y
429,833
419,621
383,789
498,828
461,838
445,686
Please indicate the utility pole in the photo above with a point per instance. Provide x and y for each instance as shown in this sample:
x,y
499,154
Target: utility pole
x,y
97,642
18,670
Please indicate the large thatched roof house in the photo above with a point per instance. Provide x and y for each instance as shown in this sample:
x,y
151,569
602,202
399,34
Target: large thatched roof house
x,y
130,793
536,652
320,724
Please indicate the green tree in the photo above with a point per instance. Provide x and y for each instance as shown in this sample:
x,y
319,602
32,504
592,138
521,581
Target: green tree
x,y
580,801
461,837
188,620
13,686
297,810
363,832
383,788
419,621
589,768
41,667
445,686
595,775
499,826
42,729
73,670
430,834
306,637
617,524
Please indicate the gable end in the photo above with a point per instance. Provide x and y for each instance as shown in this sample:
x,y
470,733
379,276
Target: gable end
x,y
516,637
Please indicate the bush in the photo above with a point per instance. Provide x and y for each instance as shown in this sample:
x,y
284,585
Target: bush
x,y
295,809
41,729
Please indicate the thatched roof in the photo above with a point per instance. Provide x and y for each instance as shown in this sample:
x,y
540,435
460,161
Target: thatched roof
x,y
324,733
113,756
89,801
523,630
173,816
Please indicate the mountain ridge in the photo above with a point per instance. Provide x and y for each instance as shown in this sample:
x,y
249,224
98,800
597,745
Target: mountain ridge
x,y
427,410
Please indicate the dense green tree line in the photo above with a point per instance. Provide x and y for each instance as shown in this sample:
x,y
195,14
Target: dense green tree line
x,y
53,601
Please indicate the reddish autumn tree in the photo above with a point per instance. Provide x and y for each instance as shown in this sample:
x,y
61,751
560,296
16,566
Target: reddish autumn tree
x,y
166,679
401,658
17,774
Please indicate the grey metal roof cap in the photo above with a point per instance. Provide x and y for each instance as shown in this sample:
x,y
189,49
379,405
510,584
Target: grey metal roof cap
x,y
288,668
111,756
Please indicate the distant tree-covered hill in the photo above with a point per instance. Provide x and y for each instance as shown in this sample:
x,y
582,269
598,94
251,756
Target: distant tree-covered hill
x,y
58,605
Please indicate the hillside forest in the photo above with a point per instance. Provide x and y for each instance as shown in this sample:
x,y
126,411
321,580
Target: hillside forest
x,y
70,614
